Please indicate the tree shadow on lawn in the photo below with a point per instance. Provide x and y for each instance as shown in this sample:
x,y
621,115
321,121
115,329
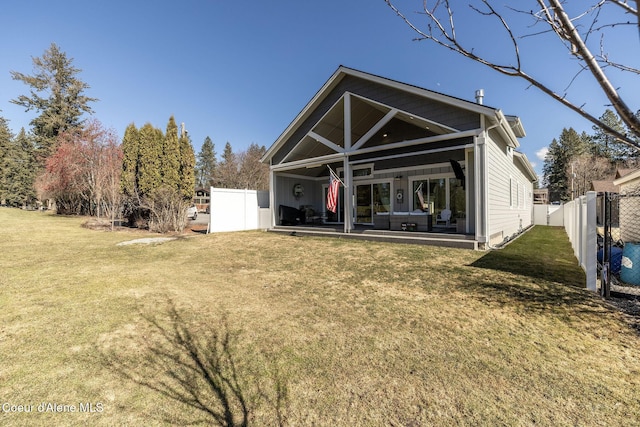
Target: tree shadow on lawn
x,y
202,369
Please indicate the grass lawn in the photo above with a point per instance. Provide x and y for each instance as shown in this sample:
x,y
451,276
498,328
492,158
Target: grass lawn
x,y
277,329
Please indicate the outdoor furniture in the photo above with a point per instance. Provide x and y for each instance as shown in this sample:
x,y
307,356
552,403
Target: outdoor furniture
x,y
381,221
290,216
422,220
444,216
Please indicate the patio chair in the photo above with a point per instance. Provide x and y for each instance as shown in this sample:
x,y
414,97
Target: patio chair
x,y
444,217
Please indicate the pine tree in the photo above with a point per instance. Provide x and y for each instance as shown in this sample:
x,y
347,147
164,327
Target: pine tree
x,y
63,101
558,161
206,165
606,145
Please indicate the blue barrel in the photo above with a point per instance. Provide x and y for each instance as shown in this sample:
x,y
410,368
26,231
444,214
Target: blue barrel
x,y
615,259
630,268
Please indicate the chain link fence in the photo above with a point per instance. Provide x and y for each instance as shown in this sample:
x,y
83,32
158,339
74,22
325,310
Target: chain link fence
x,y
618,219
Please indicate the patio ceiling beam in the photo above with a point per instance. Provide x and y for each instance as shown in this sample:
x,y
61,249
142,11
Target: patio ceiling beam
x,y
315,161
386,119
321,139
414,153
408,114
426,140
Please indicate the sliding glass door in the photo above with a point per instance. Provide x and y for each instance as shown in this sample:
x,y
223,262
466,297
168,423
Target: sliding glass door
x,y
371,198
437,194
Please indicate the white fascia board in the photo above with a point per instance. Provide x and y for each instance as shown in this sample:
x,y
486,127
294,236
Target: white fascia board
x,y
527,165
628,177
516,125
319,96
330,158
504,128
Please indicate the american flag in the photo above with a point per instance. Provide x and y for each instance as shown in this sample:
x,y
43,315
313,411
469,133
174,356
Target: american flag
x,y
332,194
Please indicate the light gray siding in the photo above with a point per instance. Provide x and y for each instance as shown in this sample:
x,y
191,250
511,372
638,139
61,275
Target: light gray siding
x,y
509,193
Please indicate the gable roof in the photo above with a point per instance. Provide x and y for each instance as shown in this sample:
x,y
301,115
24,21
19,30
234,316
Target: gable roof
x,y
630,175
510,127
604,186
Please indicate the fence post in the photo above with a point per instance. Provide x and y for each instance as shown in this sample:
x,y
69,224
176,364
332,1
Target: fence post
x,y
591,243
605,287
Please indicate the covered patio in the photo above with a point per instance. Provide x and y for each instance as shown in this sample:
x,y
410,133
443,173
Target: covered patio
x,y
412,163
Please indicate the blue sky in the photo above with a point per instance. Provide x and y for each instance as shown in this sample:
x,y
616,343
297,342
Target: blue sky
x,y
240,71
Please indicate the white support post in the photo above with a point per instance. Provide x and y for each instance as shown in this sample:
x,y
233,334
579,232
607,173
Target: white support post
x,y
481,176
348,196
347,122
348,172
272,197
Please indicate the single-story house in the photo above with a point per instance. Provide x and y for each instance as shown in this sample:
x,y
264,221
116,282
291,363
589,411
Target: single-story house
x,y
408,159
201,199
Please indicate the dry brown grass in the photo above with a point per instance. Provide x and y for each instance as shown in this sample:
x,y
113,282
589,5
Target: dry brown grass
x,y
321,331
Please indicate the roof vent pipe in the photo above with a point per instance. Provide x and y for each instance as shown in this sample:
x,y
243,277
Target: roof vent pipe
x,y
479,96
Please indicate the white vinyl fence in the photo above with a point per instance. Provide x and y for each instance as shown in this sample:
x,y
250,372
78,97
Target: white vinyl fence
x,y
579,220
548,215
237,210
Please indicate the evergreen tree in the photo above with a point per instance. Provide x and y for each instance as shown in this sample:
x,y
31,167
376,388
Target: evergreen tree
x,y
187,167
206,165
22,174
150,159
558,162
170,164
130,162
6,158
157,176
63,101
607,145
227,171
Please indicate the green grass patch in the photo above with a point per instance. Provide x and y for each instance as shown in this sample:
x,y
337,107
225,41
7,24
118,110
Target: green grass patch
x,y
274,329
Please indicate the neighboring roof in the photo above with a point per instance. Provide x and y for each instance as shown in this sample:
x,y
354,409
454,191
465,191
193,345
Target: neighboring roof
x,y
620,172
604,186
510,126
628,177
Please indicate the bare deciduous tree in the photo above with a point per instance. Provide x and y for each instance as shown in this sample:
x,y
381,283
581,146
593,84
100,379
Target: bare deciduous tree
x,y
582,34
583,169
